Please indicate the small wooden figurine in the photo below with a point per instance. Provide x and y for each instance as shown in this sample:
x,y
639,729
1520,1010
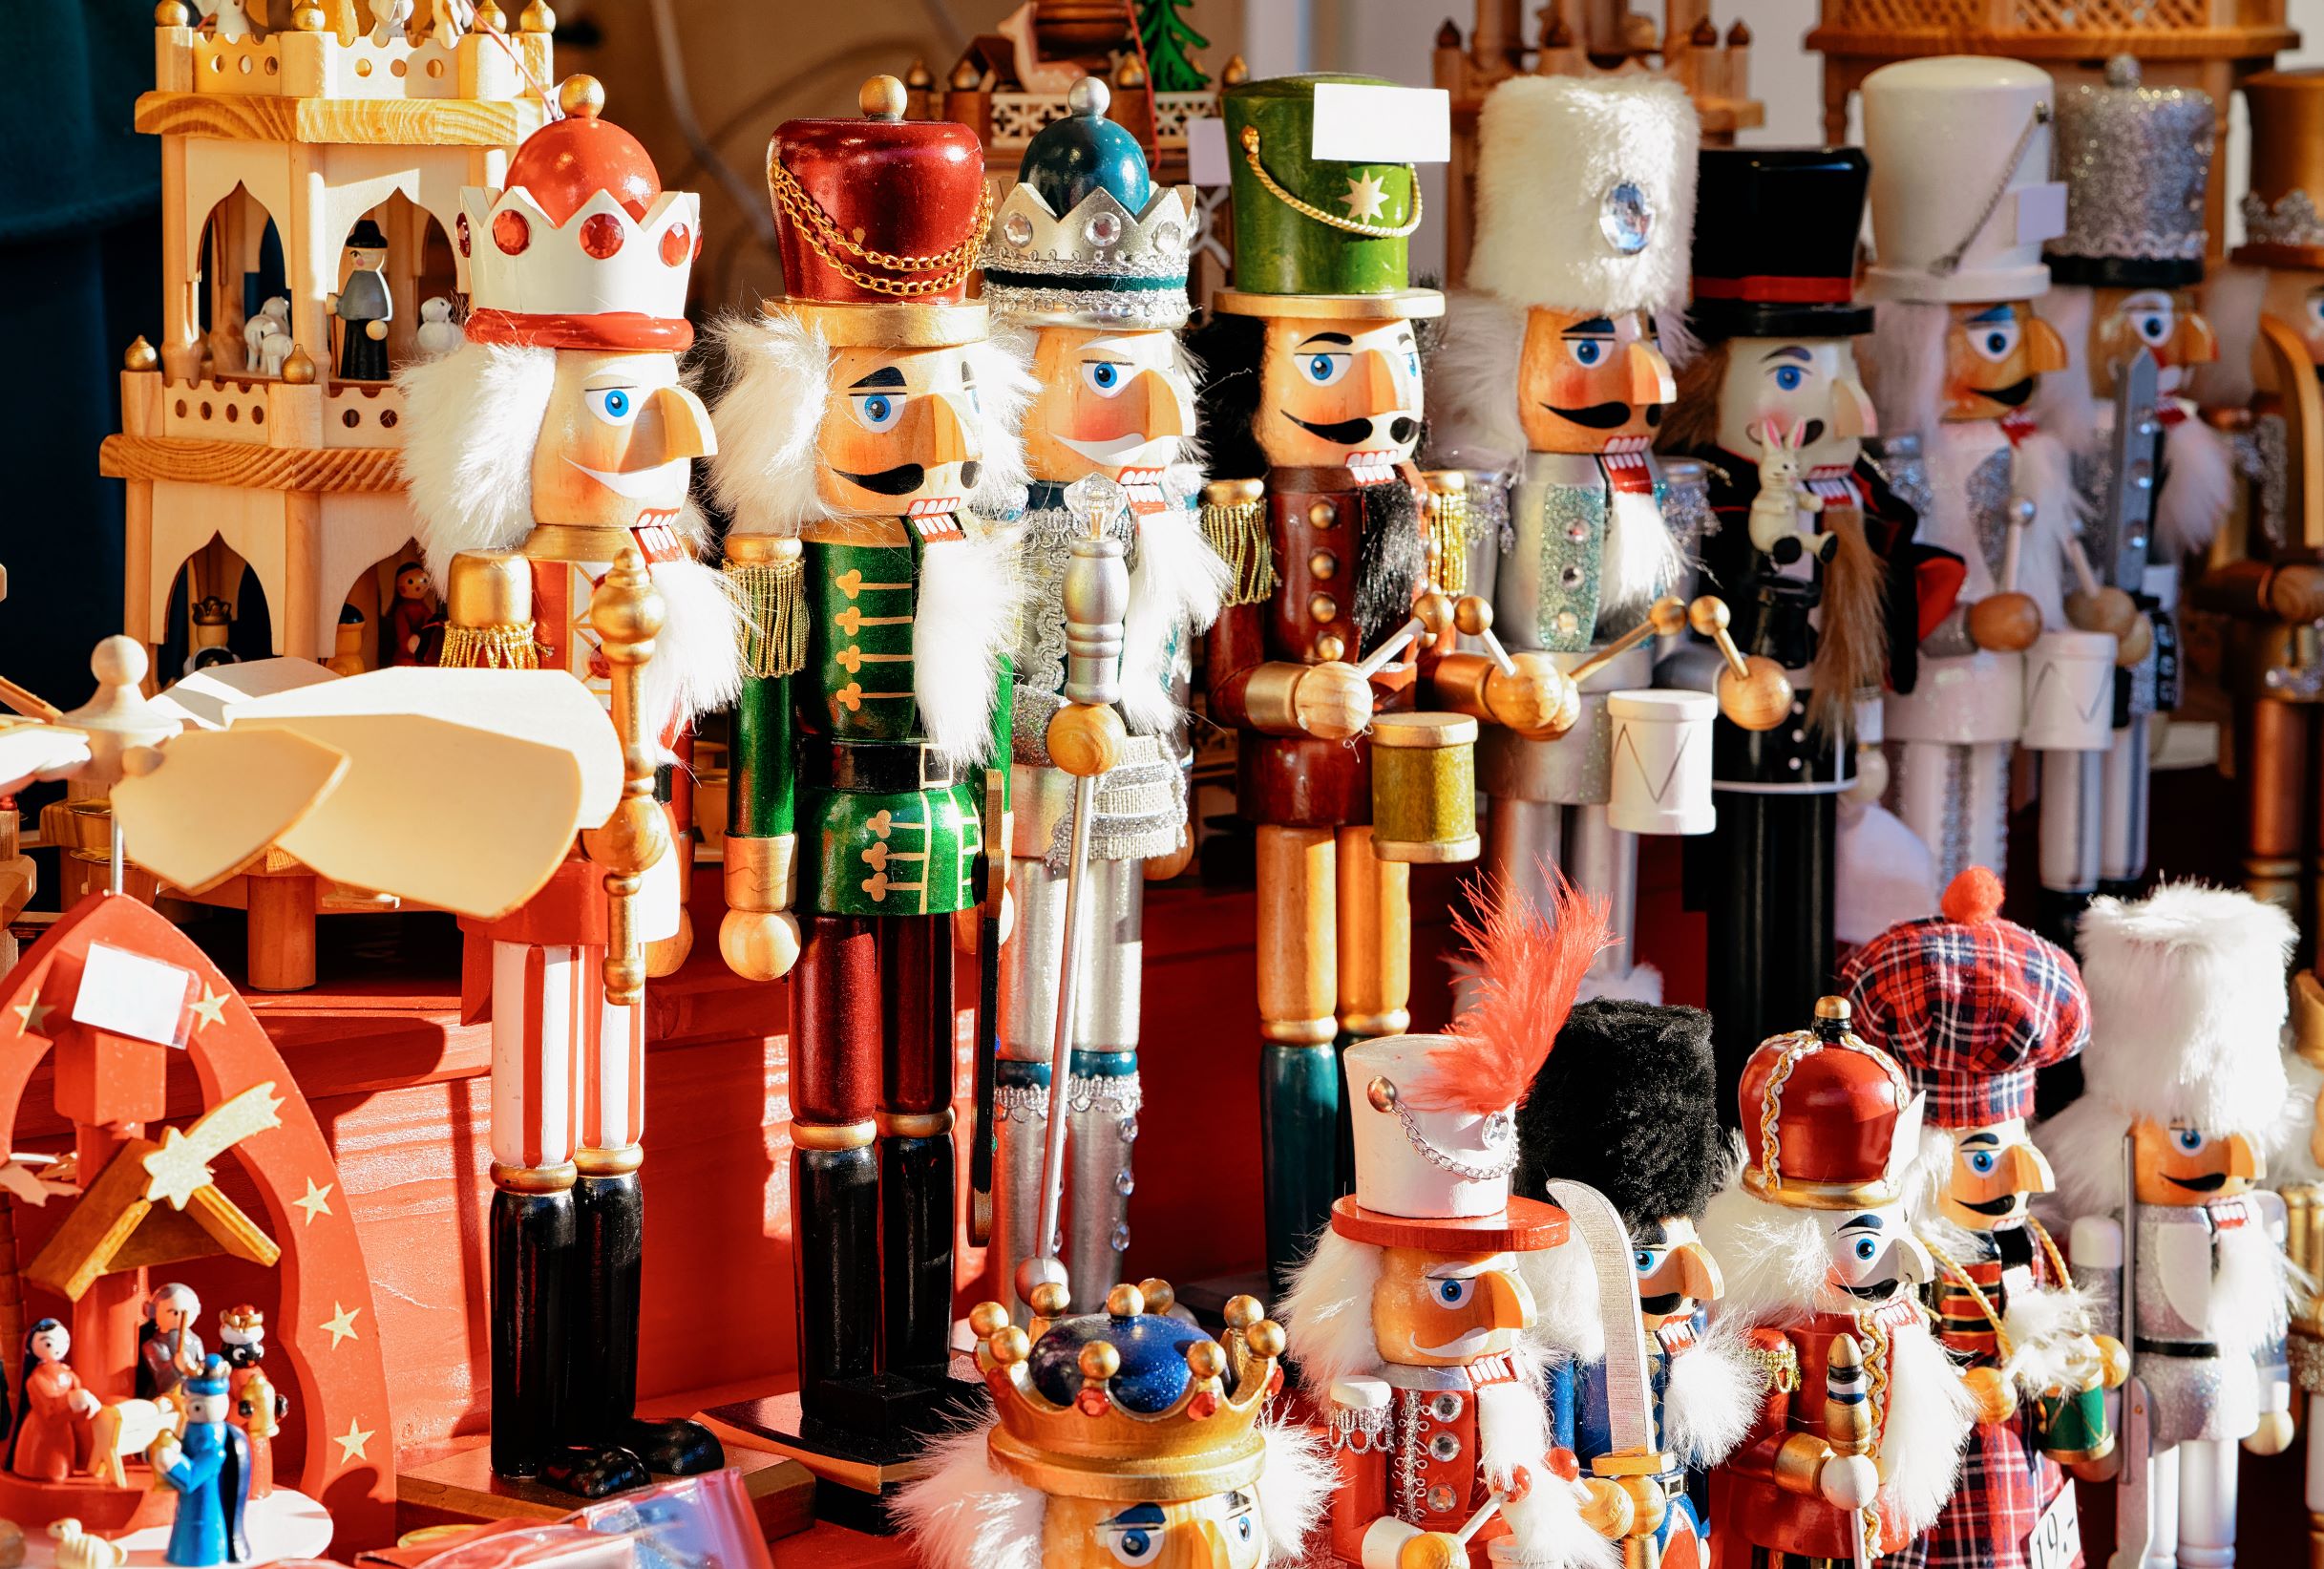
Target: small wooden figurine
x,y
867,443
1972,1006
549,463
53,1436
2182,1256
364,306
209,1467
1121,1437
1627,1100
1860,1415
169,1348
258,1407
404,628
1086,260
1410,1319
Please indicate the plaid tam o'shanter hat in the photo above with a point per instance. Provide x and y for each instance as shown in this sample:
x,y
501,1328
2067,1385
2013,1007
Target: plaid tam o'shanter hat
x,y
1971,1004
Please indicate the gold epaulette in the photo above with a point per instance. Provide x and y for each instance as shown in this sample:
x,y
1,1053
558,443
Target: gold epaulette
x,y
1448,536
488,610
1234,522
769,577
1779,1366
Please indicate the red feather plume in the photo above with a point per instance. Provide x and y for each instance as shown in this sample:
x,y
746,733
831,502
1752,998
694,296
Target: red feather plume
x,y
1528,967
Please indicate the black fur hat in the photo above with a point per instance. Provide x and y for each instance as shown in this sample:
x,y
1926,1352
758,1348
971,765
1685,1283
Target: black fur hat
x,y
1628,1103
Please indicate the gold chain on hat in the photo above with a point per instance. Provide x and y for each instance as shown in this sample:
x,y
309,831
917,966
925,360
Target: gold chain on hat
x,y
1346,225
825,239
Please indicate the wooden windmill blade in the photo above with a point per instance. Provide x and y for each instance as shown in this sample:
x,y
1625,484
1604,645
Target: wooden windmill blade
x,y
2295,381
217,799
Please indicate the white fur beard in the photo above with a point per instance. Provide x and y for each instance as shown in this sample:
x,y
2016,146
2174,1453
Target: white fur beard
x,y
2250,1290
697,662
2043,1327
2044,470
965,1515
963,622
1005,389
1710,1398
471,419
2198,487
1472,383
1294,1487
1174,594
1566,1317
2063,402
1930,1415
1640,559
1546,1525
764,472
1773,1258
1327,1315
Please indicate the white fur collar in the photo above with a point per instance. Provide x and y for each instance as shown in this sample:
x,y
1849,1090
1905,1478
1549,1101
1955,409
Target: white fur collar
x,y
1710,1398
964,623
1928,1419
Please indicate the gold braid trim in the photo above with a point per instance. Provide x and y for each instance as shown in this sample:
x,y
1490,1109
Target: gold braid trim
x,y
827,240
774,615
1448,533
2049,1251
1238,530
1778,1369
1345,225
1876,1390
506,647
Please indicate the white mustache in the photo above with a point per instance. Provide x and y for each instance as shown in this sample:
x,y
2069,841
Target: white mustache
x,y
639,484
1114,449
1471,1344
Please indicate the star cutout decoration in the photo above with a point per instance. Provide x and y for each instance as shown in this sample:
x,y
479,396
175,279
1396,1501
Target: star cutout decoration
x,y
341,1325
1366,196
315,1200
210,1010
33,1013
352,1442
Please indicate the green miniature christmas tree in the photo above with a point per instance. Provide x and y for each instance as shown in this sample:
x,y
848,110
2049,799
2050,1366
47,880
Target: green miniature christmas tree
x,y
1171,43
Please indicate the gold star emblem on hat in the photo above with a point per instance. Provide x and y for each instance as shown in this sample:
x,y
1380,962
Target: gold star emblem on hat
x,y
1367,195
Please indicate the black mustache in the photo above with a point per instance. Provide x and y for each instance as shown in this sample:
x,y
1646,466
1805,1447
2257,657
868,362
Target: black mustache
x,y
1877,1291
2011,396
2200,1184
1814,432
1992,1206
1599,417
1662,1305
905,478
1354,433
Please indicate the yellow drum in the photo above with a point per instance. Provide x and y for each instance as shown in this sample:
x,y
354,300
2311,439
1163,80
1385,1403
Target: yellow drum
x,y
1424,787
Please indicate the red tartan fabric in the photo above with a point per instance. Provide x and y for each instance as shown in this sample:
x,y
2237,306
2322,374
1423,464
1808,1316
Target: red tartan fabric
x,y
2004,1485
1970,1009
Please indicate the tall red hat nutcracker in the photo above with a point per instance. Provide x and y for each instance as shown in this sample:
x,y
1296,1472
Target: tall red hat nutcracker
x,y
1972,1005
1411,1317
865,444
1862,1414
549,460
2183,1257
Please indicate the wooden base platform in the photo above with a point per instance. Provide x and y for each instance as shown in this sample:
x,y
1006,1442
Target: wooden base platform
x,y
459,1487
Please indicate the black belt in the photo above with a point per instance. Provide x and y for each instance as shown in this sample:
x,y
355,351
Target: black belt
x,y
884,767
2193,1349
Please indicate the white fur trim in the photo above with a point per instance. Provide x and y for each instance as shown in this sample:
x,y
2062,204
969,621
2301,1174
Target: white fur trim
x,y
1930,1415
1472,383
1294,1489
1773,1261
2186,1007
2083,1144
1004,388
2198,488
1174,591
964,618
2232,298
1549,151
471,419
1903,367
2290,1158
2045,1328
2044,470
1327,1317
1887,873
1640,559
1711,1398
1566,1316
2250,1290
764,474
963,1514
697,665
1545,1526
2063,402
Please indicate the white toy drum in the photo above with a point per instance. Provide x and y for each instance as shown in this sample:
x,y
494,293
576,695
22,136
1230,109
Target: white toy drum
x,y
1661,761
2069,693
1962,701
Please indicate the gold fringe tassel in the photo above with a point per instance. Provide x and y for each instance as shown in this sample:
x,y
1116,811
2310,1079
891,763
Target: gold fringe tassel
x,y
774,615
1448,533
1234,522
506,647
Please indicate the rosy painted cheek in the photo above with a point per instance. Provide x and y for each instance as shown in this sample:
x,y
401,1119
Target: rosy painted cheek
x,y
1094,418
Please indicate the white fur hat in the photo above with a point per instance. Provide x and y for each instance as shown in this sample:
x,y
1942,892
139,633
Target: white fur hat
x,y
2186,1006
1585,193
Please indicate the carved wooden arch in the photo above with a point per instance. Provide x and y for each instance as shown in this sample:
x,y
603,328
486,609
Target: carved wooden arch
x,y
326,1327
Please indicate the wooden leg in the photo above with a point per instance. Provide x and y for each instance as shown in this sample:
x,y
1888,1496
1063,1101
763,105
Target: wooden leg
x,y
281,912
2272,763
1375,940
1298,1068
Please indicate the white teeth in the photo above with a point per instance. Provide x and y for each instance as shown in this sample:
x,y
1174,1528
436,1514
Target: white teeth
x,y
638,484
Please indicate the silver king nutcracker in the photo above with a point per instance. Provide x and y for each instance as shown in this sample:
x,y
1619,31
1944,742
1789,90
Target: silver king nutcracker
x,y
1410,1319
2136,161
548,460
1628,1098
866,439
1861,1415
1087,257
1972,1006
1550,373
1962,198
2182,1256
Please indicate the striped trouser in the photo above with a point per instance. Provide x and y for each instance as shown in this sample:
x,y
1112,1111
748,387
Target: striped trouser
x,y
568,1067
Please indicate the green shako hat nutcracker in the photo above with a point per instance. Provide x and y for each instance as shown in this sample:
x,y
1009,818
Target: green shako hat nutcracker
x,y
1316,232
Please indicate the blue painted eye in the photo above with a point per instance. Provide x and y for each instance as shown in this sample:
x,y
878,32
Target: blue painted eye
x,y
1242,1527
1455,1293
1867,1249
1642,1261
1136,1546
1413,363
1325,368
1587,351
878,410
2153,329
614,405
1981,1162
2191,1139
1790,377
1103,377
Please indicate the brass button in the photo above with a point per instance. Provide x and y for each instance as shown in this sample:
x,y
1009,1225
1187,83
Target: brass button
x,y
1323,607
1330,646
1323,564
1323,513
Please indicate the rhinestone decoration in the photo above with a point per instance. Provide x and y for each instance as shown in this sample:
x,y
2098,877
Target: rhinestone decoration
x,y
1104,229
1121,1236
1625,218
2291,221
1441,1499
1445,1446
1498,1127
1018,230
1445,1405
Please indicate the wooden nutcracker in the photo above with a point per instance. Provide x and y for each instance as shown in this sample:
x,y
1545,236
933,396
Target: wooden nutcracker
x,y
2270,311
1972,1005
2182,1256
866,443
1125,1437
1627,1100
1088,258
1312,413
2136,161
1962,199
1774,261
1552,370
1861,1415
1411,1317
548,461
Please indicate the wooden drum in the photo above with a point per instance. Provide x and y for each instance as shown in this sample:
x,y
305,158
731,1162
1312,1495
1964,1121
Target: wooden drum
x,y
1424,787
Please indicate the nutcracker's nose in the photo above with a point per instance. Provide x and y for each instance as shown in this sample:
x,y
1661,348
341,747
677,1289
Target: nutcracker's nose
x,y
1651,382
1698,1273
2027,1170
2044,349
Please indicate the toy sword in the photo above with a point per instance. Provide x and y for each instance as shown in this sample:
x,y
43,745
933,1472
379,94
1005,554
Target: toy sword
x,y
1630,1413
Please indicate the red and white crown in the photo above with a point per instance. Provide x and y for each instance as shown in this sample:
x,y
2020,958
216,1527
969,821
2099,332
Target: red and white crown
x,y
582,248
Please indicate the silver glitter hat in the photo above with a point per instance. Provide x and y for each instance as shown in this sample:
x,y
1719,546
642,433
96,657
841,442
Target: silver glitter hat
x,y
2136,161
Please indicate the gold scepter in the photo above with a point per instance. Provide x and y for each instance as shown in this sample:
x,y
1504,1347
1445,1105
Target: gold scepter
x,y
627,613
1847,1428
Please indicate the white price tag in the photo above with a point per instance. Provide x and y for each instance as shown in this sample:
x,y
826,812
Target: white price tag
x,y
2042,212
2057,1541
1206,151
130,994
1360,123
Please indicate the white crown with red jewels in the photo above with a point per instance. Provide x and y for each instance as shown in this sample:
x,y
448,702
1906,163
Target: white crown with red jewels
x,y
602,258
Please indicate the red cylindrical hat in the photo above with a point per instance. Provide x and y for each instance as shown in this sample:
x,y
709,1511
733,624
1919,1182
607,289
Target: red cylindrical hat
x,y
877,210
1821,1112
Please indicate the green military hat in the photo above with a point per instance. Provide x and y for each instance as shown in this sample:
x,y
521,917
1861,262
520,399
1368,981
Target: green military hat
x,y
1326,199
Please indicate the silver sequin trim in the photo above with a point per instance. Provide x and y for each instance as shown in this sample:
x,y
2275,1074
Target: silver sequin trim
x,y
1358,1432
2136,161
2292,221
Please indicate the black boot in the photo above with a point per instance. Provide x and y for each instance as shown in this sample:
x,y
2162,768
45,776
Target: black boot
x,y
608,1280
531,1251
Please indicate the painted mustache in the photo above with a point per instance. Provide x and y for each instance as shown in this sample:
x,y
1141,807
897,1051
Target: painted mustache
x,y
1663,1304
2210,1183
2002,1205
1354,432
2012,395
1597,416
904,479
1877,1291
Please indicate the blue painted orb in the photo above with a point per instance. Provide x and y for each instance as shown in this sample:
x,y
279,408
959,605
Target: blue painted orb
x,y
1070,158
1153,1376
